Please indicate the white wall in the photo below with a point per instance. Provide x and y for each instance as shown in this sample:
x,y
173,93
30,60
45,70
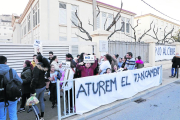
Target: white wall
x,y
5,32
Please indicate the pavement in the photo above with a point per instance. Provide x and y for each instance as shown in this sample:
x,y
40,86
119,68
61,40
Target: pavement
x,y
51,114
162,104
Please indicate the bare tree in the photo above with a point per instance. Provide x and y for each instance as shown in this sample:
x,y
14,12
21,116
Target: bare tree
x,y
80,27
177,36
134,31
165,39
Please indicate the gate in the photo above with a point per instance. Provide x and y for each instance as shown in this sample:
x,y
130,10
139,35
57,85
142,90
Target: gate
x,y
122,47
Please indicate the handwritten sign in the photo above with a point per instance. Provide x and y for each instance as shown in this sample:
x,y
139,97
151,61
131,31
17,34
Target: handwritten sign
x,y
66,64
89,59
37,43
165,52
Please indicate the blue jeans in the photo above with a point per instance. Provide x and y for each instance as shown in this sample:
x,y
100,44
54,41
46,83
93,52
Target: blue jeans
x,y
40,97
172,71
12,109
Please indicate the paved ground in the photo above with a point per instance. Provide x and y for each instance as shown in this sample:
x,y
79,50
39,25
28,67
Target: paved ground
x,y
51,114
163,104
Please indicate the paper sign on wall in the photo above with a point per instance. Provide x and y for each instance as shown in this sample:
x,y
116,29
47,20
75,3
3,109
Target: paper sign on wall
x,y
103,46
89,59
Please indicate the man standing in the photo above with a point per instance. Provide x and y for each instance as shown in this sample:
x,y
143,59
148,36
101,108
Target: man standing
x,y
34,61
130,62
174,65
12,107
69,57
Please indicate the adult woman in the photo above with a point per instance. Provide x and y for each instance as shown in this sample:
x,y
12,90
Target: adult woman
x,y
139,63
54,61
81,58
78,72
38,84
106,64
26,77
114,61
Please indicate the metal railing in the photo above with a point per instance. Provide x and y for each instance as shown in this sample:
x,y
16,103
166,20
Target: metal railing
x,y
64,101
122,47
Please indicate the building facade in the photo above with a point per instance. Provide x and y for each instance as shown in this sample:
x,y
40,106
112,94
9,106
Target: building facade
x,y
159,23
5,29
51,21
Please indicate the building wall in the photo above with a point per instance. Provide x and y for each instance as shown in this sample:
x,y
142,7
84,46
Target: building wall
x,y
5,29
158,23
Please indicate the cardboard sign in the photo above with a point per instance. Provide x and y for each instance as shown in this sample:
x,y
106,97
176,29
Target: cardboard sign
x,y
37,43
89,59
66,64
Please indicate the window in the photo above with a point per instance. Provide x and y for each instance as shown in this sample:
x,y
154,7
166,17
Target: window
x,y
35,15
118,25
62,13
73,16
123,24
29,23
38,14
104,20
98,20
62,38
74,39
110,19
127,25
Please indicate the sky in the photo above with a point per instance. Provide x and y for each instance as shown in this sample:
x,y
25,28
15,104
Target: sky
x,y
169,7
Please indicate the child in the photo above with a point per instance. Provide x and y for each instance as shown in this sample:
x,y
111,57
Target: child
x,y
88,69
108,70
54,75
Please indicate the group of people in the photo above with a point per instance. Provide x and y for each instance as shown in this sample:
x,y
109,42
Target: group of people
x,y
175,65
42,74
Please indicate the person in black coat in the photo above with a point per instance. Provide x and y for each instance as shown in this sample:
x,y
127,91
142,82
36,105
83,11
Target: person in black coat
x,y
26,77
38,84
175,62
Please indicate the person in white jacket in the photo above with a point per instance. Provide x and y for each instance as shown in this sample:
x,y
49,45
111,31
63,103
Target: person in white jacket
x,y
54,61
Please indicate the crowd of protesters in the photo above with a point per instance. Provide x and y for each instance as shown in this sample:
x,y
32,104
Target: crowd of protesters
x,y
42,74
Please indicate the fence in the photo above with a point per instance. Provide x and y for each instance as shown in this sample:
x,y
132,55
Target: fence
x,y
138,49
17,54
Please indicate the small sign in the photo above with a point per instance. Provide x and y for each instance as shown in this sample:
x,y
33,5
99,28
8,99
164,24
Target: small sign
x,y
66,64
37,43
89,59
103,46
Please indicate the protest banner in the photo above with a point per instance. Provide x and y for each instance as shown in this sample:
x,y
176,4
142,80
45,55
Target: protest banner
x,y
92,92
165,52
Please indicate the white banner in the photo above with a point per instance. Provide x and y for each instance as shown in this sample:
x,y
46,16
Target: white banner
x,y
92,92
165,52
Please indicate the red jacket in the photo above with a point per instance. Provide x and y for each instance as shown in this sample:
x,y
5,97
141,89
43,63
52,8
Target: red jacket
x,y
87,71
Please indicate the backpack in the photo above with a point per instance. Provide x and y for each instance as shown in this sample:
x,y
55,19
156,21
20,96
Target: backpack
x,y
10,89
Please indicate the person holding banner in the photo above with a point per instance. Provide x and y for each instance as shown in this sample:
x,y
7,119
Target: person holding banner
x,y
106,64
88,69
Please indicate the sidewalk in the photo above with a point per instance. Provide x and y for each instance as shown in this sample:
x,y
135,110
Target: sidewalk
x,y
110,107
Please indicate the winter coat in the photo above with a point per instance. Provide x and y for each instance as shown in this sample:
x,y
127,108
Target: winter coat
x,y
4,70
26,77
38,80
139,64
175,61
87,71
33,63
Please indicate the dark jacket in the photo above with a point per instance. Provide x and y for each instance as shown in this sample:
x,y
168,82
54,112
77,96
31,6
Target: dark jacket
x,y
26,77
139,64
38,80
4,70
175,61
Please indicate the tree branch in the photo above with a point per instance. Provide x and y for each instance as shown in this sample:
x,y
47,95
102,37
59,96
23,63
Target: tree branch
x,y
90,23
114,32
80,27
105,23
118,16
98,11
145,32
